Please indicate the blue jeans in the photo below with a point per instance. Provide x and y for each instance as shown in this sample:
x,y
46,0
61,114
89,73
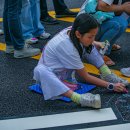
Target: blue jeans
x,y
112,29
12,25
30,19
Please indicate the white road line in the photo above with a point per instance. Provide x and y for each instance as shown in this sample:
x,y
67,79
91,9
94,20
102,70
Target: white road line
x,y
58,120
112,127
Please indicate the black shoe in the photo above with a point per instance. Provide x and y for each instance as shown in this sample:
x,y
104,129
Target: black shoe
x,y
66,13
49,20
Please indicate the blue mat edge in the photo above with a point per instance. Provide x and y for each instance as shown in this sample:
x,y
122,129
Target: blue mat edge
x,y
84,88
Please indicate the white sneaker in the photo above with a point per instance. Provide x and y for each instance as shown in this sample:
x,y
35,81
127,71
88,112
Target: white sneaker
x,y
112,78
90,100
45,35
27,51
1,32
9,49
31,40
125,71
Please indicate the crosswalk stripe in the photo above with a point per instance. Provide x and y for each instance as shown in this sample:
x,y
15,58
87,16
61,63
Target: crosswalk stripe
x,y
112,127
89,68
56,120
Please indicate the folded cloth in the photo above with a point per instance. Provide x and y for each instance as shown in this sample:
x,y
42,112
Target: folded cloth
x,y
81,88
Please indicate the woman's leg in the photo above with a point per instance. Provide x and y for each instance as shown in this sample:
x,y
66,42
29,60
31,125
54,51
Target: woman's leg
x,y
12,24
111,30
6,26
26,20
35,12
50,84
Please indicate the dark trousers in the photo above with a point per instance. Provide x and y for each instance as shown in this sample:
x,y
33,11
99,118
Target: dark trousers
x,y
59,6
12,24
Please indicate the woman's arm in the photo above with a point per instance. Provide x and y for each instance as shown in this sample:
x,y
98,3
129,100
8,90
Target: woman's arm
x,y
113,8
92,79
119,87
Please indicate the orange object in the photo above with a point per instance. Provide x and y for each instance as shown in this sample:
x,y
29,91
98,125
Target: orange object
x,y
108,61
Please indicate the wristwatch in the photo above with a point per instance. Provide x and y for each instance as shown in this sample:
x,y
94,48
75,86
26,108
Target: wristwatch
x,y
110,87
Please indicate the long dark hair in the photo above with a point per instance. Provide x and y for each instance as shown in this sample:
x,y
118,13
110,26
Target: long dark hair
x,y
83,23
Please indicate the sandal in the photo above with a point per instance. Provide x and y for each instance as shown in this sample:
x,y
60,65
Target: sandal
x,y
108,61
115,47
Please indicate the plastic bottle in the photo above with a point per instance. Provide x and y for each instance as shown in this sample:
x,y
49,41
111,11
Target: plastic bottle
x,y
105,48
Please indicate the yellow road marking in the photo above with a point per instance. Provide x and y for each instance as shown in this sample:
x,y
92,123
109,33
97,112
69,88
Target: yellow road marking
x,y
2,46
89,68
1,19
128,30
66,19
37,57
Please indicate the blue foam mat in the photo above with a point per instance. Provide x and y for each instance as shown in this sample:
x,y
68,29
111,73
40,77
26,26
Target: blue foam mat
x,y
82,88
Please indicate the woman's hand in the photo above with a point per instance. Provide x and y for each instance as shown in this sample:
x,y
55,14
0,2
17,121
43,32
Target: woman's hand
x,y
98,45
126,7
119,87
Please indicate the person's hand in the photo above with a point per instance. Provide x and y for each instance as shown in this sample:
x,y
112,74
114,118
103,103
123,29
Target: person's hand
x,y
126,7
119,87
98,45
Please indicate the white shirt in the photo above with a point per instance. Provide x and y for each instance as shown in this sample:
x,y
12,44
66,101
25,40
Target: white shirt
x,y
60,54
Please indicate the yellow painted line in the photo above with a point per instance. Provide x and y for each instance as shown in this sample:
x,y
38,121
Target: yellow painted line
x,y
89,68
66,19
70,19
128,30
37,57
1,19
92,69
3,47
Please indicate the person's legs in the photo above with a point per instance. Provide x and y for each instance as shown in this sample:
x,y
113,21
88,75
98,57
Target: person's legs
x,y
111,30
12,25
62,10
13,31
43,9
35,13
39,30
59,6
27,23
45,17
26,20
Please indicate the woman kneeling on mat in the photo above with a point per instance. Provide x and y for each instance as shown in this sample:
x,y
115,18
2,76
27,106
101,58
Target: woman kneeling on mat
x,y
61,57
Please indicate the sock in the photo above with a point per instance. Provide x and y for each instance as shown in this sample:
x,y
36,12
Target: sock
x,y
75,97
104,70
